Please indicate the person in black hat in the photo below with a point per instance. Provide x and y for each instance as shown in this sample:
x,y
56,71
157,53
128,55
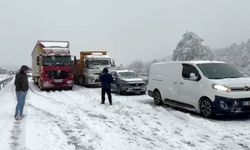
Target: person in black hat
x,y
106,80
22,87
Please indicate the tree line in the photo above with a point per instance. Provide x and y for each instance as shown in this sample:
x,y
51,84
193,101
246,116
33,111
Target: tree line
x,y
190,47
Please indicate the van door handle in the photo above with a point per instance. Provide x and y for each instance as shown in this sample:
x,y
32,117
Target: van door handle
x,y
175,82
181,83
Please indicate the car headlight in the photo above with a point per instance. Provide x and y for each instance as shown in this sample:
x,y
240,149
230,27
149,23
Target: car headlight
x,y
221,88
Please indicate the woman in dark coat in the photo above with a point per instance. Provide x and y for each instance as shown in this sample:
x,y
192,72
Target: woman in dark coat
x,y
22,86
106,80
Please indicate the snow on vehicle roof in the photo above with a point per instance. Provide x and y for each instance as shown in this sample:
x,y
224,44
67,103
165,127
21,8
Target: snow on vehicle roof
x,y
118,71
192,62
56,48
204,61
97,56
64,44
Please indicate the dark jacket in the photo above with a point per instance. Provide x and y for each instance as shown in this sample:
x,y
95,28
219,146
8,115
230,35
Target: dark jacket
x,y
106,80
21,80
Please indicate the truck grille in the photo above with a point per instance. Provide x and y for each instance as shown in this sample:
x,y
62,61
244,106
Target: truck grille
x,y
57,74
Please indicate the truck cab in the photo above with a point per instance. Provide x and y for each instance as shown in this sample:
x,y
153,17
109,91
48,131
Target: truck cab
x,y
90,66
52,65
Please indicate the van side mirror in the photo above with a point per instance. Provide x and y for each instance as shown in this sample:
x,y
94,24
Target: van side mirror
x,y
37,60
193,77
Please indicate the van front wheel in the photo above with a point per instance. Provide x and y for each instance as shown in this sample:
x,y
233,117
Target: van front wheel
x,y
206,108
157,98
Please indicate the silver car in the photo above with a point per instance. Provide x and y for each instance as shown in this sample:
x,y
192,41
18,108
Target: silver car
x,y
127,81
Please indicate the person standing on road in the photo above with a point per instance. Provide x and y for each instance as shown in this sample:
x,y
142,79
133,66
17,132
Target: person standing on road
x,y
106,80
22,86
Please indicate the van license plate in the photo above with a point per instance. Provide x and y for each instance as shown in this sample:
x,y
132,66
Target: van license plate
x,y
58,80
246,103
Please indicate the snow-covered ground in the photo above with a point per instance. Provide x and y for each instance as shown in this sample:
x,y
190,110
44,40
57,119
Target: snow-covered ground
x,y
68,120
3,76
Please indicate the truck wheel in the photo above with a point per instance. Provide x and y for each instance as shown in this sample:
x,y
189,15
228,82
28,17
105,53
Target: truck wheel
x,y
39,84
157,98
80,81
75,80
206,108
34,80
84,83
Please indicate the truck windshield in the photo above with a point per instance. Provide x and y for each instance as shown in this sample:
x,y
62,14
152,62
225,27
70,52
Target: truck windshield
x,y
92,63
127,75
57,61
219,71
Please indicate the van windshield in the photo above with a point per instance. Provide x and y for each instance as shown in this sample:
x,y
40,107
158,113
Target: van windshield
x,y
219,71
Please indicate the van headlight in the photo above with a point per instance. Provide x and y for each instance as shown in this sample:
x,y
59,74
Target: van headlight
x,y
221,88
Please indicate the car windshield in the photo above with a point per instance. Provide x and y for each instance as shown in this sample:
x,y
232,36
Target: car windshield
x,y
57,61
219,71
92,63
127,75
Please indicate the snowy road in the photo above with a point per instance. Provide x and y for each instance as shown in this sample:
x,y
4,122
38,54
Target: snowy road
x,y
68,120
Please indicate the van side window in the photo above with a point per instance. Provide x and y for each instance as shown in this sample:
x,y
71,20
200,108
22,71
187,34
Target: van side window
x,y
187,72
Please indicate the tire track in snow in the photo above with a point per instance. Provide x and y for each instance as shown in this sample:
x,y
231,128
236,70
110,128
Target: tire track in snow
x,y
17,132
72,108
75,132
132,131
72,137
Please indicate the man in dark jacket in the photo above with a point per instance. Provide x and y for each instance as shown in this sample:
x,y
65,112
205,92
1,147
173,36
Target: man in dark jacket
x,y
106,80
22,86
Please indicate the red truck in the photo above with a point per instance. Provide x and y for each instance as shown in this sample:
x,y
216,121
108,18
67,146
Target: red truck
x,y
52,66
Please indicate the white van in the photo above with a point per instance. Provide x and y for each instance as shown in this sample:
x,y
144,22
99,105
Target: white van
x,y
207,87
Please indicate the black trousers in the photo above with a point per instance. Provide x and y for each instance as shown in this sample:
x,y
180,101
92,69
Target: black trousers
x,y
106,90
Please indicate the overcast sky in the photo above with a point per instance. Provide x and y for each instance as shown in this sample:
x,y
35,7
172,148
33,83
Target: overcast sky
x,y
128,29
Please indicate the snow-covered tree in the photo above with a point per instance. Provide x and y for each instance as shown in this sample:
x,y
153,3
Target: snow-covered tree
x,y
237,54
148,64
137,66
191,48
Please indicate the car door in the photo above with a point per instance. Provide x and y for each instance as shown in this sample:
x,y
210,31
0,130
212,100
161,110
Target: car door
x,y
189,85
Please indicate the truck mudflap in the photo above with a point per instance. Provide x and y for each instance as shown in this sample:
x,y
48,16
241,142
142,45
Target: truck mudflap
x,y
225,105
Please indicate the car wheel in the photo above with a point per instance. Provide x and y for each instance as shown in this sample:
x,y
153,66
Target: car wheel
x,y
157,98
119,90
206,108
